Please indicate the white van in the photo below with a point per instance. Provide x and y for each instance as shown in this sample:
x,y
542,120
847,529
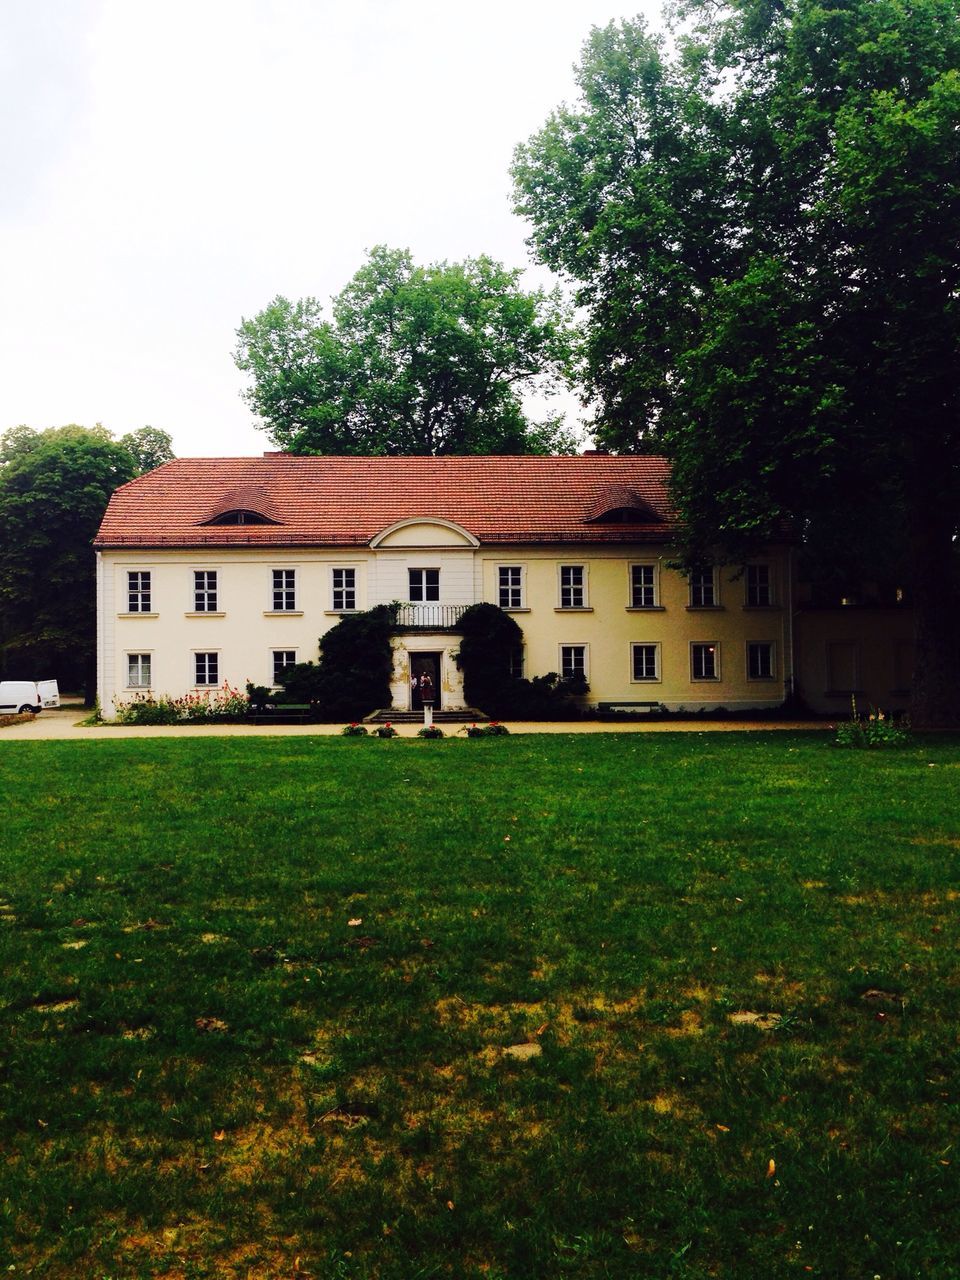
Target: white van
x,y
27,695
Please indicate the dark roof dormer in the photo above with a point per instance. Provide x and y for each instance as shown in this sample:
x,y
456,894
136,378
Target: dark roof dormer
x,y
620,504
245,504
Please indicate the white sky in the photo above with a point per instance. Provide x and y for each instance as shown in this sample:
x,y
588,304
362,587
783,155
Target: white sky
x,y
167,169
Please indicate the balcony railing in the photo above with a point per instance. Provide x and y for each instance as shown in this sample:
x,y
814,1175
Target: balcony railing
x,y
430,617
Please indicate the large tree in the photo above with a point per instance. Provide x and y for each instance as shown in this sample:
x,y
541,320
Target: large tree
x,y
415,360
149,447
764,223
54,488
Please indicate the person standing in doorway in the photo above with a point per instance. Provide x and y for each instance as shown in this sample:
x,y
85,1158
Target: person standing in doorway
x,y
426,688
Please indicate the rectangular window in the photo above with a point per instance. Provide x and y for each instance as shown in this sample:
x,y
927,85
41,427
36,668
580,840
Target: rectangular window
x,y
573,661
759,594
572,587
138,670
424,585
703,593
705,661
516,662
206,668
344,590
643,587
510,586
205,591
284,590
282,658
138,591
843,666
645,662
759,660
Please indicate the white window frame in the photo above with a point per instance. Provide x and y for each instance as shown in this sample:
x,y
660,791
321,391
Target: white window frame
x,y
517,662
573,586
518,586
140,683
757,587
771,648
653,586
586,661
423,570
202,594
343,589
713,645
282,591
208,654
274,682
698,583
645,644
139,597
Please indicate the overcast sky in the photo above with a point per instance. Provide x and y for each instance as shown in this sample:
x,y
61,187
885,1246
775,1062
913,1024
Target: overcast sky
x,y
168,169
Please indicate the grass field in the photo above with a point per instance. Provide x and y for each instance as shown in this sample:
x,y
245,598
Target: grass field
x,y
262,1005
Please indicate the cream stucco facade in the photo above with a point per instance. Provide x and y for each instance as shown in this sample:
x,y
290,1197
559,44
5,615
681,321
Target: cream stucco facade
x,y
641,633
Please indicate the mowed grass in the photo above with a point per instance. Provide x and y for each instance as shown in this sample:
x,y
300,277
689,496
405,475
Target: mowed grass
x,y
256,996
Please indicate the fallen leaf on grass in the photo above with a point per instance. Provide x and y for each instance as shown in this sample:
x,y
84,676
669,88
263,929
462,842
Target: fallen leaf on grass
x,y
220,1135
723,1128
210,1024
771,1168
352,924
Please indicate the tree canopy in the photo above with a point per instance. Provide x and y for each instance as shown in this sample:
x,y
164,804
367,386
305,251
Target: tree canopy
x,y
149,447
764,226
414,360
54,488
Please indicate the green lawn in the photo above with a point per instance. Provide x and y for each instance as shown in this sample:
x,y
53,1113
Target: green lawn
x,y
256,995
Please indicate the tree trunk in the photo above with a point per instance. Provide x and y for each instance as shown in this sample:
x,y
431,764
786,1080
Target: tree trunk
x,y
935,697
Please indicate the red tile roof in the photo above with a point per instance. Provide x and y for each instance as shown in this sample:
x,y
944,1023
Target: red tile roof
x,y
347,501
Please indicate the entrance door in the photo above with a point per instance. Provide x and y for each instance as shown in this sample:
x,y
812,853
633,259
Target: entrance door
x,y
424,664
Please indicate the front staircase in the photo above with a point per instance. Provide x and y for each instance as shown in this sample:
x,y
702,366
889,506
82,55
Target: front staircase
x,y
392,715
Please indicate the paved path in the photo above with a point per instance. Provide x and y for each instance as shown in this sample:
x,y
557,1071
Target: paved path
x,y
65,724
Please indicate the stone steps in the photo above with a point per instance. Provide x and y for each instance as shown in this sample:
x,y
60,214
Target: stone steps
x,y
396,716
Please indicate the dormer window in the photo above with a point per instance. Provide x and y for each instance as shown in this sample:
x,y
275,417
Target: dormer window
x,y
243,504
624,515
240,517
619,504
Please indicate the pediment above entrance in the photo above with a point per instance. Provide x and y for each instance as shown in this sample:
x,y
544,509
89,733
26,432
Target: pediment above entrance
x,y
424,531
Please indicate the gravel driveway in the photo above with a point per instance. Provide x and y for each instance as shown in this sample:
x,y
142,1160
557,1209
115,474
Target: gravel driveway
x,y
65,724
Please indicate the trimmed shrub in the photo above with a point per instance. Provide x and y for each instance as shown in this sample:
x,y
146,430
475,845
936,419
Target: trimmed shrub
x,y
490,639
352,677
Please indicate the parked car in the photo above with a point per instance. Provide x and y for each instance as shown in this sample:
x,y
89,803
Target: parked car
x,y
28,695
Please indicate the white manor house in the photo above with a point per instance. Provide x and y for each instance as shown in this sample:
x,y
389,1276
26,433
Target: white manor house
x,y
213,570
